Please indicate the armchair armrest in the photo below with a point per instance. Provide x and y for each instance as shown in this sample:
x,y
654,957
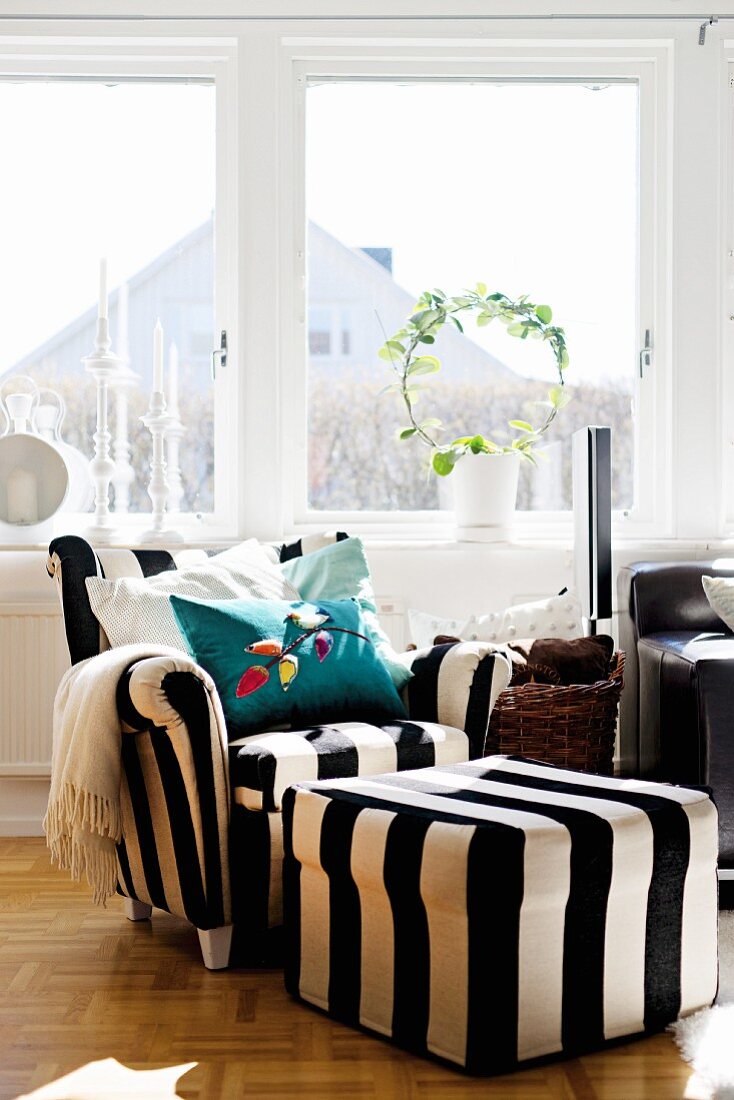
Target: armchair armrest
x,y
175,790
457,684
166,691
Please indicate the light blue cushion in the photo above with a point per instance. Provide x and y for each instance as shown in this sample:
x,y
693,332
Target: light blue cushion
x,y
280,664
340,572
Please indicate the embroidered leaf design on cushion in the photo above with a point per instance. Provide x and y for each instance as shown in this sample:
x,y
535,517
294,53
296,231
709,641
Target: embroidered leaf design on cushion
x,y
233,640
252,680
287,670
308,619
269,647
324,642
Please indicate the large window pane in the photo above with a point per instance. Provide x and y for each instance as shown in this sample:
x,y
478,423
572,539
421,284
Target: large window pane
x,y
530,188
125,170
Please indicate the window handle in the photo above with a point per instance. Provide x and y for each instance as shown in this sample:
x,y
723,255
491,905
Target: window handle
x,y
221,353
646,353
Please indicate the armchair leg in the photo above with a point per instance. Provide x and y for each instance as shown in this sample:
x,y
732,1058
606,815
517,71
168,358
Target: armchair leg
x,y
215,946
137,910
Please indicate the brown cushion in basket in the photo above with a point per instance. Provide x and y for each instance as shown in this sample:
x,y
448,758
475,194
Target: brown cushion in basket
x,y
533,674
576,660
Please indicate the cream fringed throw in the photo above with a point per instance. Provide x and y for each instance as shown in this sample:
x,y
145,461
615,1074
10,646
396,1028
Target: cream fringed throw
x,y
83,821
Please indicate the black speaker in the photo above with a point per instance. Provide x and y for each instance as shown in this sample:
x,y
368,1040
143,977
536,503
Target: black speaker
x,y
592,513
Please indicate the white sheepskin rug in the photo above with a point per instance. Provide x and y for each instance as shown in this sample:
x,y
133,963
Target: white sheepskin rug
x,y
706,1039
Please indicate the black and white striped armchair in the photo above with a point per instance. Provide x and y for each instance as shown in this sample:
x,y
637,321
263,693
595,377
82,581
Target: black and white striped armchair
x,y
202,831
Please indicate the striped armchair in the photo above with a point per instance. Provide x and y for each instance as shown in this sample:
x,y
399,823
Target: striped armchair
x,y
202,832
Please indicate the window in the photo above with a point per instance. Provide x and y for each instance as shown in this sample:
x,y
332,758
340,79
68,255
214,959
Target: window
x,y
534,166
532,187
126,166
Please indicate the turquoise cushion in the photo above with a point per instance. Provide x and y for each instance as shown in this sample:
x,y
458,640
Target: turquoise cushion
x,y
340,572
280,664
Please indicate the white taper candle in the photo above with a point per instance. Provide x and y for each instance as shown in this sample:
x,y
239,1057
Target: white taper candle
x,y
103,288
158,357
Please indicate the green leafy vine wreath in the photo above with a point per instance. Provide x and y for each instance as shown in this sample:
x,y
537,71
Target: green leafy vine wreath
x,y
404,352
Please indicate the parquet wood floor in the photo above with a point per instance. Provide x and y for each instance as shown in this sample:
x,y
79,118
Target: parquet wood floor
x,y
79,984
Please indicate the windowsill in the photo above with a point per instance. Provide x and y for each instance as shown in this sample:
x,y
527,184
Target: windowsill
x,y
551,533
548,542
412,542
126,533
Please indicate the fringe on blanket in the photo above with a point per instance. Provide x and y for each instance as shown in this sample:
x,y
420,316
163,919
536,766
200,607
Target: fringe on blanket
x,y
82,831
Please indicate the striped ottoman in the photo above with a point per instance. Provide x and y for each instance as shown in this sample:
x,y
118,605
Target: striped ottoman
x,y
501,910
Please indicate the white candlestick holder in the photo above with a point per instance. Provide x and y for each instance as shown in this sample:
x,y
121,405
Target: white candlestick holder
x,y
174,434
156,421
103,365
124,476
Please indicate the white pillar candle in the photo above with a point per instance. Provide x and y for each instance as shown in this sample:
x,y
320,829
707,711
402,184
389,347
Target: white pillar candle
x,y
158,357
173,380
22,490
103,288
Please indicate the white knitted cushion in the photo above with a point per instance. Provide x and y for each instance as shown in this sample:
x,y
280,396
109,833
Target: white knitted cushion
x,y
137,609
556,617
720,594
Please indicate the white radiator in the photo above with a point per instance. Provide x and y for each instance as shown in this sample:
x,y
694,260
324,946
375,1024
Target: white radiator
x,y
33,658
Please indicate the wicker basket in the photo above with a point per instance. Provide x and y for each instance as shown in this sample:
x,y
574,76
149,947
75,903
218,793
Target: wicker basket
x,y
572,726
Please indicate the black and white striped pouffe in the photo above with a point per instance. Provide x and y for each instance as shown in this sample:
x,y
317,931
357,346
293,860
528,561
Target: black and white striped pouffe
x,y
502,910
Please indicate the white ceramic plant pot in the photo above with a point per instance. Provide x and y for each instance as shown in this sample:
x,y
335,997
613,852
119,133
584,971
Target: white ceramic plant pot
x,y
485,492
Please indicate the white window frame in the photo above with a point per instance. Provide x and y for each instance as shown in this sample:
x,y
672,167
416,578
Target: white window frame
x,y
647,63
726,277
141,58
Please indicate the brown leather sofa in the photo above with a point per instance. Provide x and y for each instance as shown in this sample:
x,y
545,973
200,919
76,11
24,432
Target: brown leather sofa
x,y
677,710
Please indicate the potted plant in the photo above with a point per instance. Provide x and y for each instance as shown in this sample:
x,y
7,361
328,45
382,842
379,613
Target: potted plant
x,y
485,472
